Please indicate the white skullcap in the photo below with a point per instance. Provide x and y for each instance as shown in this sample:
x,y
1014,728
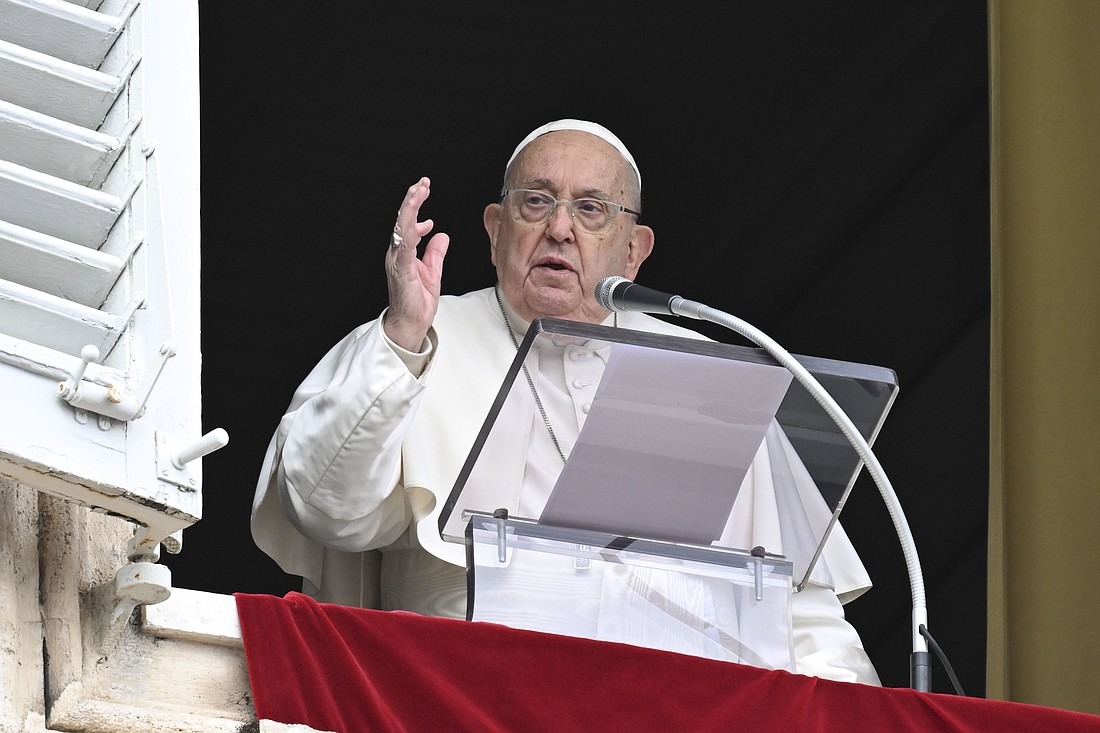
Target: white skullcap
x,y
591,128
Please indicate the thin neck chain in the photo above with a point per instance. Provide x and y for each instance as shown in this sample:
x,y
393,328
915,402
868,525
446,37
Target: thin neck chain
x,y
527,374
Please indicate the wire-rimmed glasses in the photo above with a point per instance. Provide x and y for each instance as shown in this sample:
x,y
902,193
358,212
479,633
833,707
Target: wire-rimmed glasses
x,y
594,216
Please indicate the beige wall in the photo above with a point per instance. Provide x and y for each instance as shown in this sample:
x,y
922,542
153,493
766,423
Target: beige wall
x,y
58,671
1044,559
21,633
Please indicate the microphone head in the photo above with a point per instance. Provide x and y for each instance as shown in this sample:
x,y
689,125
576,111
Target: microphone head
x,y
604,289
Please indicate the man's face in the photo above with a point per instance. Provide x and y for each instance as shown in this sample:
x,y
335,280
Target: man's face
x,y
551,269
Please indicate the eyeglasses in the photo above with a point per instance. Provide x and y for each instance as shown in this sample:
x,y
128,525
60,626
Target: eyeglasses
x,y
594,216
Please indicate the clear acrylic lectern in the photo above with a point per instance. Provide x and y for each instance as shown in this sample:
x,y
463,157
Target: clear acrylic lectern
x,y
696,497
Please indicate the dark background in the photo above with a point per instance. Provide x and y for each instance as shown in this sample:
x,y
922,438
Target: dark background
x,y
818,169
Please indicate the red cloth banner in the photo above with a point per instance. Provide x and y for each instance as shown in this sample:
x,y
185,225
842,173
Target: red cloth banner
x,y
353,670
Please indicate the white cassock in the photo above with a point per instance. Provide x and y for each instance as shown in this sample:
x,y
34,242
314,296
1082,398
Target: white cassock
x,y
374,438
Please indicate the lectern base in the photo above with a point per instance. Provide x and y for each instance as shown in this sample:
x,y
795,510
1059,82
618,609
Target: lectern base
x,y
708,602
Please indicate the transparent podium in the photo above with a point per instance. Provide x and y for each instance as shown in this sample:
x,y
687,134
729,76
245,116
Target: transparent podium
x,y
692,500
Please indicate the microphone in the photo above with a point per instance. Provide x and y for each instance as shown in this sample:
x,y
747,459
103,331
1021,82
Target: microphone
x,y
619,294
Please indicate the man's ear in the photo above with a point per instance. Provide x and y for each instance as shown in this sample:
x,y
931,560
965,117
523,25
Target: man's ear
x,y
639,248
491,219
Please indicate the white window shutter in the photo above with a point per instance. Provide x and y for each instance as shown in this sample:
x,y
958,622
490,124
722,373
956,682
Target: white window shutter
x,y
99,256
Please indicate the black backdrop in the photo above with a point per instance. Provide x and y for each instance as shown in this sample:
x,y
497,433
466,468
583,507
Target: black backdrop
x,y
818,169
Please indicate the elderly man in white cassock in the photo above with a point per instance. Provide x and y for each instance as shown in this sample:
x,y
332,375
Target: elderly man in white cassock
x,y
376,434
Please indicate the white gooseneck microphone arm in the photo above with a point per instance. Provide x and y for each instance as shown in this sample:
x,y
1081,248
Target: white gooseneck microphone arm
x,y
620,294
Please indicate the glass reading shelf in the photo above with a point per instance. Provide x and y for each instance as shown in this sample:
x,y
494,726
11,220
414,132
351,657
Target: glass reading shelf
x,y
670,435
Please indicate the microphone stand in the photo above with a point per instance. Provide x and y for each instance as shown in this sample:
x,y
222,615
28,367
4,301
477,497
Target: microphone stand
x,y
920,670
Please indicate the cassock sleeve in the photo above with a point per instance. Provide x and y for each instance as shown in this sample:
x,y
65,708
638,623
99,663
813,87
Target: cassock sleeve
x,y
331,476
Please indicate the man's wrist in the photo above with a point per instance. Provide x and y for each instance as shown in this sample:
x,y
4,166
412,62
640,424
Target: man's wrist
x,y
411,340
415,359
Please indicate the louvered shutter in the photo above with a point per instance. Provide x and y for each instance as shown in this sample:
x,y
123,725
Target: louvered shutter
x,y
99,255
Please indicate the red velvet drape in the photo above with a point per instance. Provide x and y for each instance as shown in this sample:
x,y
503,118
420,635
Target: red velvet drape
x,y
353,670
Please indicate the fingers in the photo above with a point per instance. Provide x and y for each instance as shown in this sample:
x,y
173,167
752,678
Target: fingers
x,y
407,229
406,237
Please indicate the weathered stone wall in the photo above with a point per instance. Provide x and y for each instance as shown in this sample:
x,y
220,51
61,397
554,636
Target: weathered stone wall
x,y
21,664
58,562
